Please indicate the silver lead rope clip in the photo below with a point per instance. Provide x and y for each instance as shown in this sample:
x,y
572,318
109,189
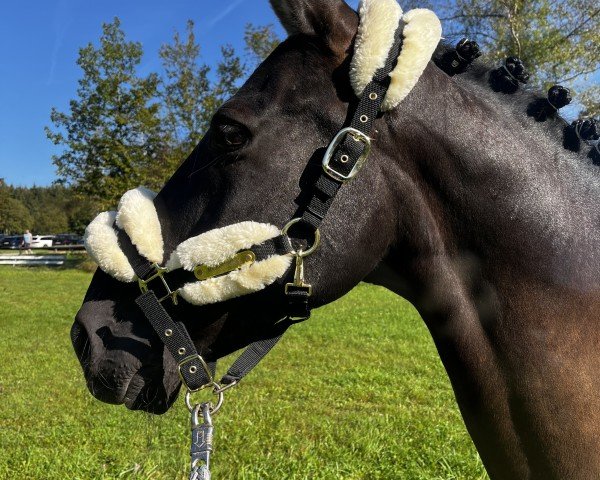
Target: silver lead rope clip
x,y
202,438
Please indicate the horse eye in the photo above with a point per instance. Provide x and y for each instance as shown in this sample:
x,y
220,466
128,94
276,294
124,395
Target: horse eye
x,y
231,136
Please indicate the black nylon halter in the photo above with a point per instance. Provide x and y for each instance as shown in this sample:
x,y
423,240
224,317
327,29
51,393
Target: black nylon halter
x,y
346,155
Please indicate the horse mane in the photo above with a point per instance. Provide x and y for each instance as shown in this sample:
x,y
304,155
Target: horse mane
x,y
521,102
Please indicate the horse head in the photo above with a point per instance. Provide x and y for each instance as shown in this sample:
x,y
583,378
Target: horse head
x,y
257,162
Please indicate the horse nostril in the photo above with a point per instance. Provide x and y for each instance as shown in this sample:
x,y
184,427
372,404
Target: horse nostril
x,y
80,341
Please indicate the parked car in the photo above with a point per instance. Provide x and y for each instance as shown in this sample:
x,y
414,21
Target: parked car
x,y
42,241
13,242
67,239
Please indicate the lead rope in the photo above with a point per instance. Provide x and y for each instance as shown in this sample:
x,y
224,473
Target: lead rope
x,y
344,158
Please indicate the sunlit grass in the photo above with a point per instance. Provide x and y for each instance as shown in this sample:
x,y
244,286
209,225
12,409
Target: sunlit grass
x,y
358,392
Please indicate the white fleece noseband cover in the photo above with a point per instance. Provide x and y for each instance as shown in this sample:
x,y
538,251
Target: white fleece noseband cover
x,y
379,20
137,216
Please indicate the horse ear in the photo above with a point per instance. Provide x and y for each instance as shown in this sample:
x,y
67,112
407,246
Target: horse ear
x,y
332,20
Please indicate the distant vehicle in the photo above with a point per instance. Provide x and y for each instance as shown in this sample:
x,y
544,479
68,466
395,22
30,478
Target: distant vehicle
x,y
12,242
42,241
67,239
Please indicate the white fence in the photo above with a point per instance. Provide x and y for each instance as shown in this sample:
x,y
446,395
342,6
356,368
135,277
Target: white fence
x,y
32,260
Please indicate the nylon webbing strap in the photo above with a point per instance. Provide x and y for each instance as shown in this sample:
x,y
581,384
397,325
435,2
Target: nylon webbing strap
x,y
194,371
350,150
250,358
141,266
297,303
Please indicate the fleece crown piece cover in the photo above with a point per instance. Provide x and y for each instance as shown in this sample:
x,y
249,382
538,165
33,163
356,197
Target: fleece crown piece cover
x,y
379,21
138,217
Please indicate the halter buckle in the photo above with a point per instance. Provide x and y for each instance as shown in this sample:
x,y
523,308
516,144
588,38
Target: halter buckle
x,y
160,272
191,359
358,136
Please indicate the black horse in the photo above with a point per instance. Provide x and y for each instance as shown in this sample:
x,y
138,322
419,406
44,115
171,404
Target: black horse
x,y
467,207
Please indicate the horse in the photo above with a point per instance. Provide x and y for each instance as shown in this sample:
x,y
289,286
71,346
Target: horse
x,y
467,207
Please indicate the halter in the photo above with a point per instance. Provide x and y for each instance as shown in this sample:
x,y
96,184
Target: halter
x,y
233,261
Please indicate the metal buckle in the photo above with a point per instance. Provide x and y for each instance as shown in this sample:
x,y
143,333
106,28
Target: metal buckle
x,y
358,136
189,359
160,271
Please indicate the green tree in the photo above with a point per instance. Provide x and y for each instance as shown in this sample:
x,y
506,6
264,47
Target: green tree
x,y
558,41
190,93
14,216
124,130
111,135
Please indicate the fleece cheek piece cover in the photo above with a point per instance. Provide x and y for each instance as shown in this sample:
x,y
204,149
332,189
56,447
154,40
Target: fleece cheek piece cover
x,y
137,216
379,20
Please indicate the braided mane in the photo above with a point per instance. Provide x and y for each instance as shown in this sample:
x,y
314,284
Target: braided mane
x,y
529,107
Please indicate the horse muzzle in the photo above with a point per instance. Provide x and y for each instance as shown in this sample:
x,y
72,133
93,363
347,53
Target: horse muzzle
x,y
123,361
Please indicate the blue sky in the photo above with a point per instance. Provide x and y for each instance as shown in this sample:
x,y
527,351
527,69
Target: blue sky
x,y
39,42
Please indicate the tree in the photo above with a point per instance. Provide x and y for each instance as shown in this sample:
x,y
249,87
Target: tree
x,y
190,94
112,134
558,41
184,92
124,130
14,216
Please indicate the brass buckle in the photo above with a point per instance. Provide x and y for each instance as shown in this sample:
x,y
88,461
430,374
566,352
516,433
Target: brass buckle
x,y
189,359
358,136
160,272
239,260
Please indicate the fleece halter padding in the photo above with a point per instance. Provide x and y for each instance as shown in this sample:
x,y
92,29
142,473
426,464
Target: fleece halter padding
x,y
378,22
138,217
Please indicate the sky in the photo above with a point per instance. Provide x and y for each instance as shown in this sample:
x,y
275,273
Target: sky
x,y
39,43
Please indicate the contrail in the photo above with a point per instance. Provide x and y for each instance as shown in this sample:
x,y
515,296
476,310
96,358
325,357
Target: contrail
x,y
223,14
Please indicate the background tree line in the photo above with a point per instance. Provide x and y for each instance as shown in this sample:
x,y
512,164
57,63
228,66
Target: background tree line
x,y
124,129
43,210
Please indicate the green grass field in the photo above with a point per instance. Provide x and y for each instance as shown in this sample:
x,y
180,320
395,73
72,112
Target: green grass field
x,y
357,392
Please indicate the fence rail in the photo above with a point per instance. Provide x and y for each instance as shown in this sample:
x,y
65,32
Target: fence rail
x,y
32,260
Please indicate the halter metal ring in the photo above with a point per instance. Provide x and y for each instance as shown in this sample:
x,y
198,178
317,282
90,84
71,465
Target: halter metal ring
x,y
213,409
312,248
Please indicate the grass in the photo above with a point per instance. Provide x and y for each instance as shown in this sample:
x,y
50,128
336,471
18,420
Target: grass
x,y
357,392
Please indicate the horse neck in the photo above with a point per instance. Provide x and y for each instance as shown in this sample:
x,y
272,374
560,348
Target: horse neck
x,y
488,183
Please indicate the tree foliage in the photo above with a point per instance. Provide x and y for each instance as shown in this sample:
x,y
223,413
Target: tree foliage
x,y
113,130
558,41
14,216
260,42
124,129
189,94
43,210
